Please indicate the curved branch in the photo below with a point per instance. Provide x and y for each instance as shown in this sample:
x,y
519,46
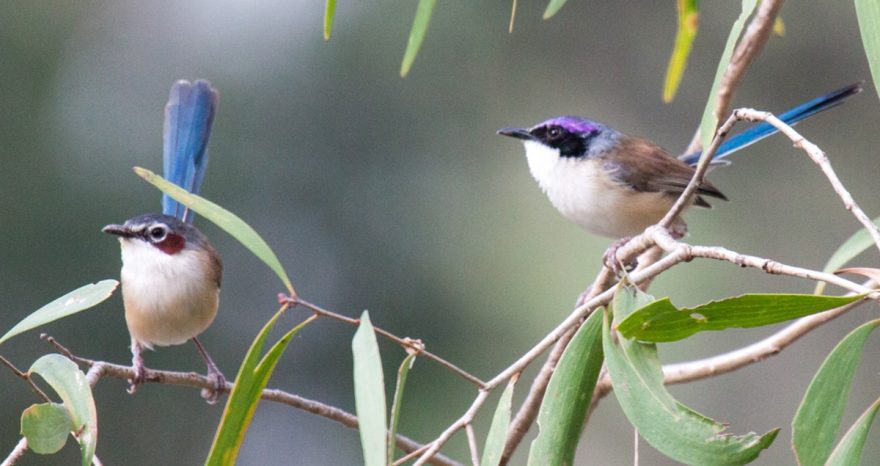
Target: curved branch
x,y
751,44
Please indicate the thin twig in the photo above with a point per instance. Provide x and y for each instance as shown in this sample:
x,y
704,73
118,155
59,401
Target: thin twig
x,y
405,343
686,197
750,45
27,378
819,158
472,444
16,453
102,369
464,420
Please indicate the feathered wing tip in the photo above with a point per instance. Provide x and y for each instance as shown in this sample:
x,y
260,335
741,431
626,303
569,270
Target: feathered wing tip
x,y
791,117
188,118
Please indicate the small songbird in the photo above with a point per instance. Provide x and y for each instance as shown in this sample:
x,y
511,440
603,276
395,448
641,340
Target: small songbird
x,y
616,185
170,272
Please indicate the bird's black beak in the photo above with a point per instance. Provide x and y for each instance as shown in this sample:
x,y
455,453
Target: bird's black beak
x,y
518,133
118,230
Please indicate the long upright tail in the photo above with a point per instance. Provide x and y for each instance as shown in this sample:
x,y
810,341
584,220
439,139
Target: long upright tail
x,y
188,118
791,117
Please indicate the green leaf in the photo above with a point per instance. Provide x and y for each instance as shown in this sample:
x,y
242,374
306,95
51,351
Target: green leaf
x,y
553,7
252,378
672,428
369,393
568,397
661,321
497,435
868,13
77,300
815,425
46,427
226,220
402,373
709,121
71,386
688,22
329,12
849,450
852,247
417,34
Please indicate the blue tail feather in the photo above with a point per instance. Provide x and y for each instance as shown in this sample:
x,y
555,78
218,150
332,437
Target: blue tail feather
x,y
188,118
791,117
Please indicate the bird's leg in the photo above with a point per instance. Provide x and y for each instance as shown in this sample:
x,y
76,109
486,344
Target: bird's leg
x,y
610,257
211,395
137,364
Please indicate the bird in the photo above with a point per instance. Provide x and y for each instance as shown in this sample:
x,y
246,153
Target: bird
x,y
616,185
170,273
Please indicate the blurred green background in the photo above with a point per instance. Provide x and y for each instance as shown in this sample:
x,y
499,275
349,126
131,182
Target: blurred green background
x,y
395,195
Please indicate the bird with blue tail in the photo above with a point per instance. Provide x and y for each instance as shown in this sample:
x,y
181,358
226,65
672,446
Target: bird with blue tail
x,y
170,272
617,185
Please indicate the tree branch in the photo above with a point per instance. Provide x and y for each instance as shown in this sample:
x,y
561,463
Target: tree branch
x,y
750,45
102,369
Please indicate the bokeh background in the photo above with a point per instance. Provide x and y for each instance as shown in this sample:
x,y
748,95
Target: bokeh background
x,y
396,196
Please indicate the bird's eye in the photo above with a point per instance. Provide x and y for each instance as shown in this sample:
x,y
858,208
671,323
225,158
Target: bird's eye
x,y
157,233
554,132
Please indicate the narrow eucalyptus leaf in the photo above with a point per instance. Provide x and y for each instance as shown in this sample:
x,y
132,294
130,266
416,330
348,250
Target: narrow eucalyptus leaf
x,y
78,300
672,428
226,220
369,393
818,417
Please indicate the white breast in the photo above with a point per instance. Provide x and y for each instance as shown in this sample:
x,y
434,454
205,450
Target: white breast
x,y
168,298
585,194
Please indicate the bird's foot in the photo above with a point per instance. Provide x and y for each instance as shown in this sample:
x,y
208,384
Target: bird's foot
x,y
218,386
137,365
610,258
218,382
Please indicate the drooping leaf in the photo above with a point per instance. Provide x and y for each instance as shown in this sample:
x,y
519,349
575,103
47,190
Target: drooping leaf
x,y
396,405
661,321
417,34
46,427
852,247
688,22
497,435
815,425
329,12
672,428
569,393
252,377
709,121
553,7
71,386
849,450
868,13
77,300
226,220
369,393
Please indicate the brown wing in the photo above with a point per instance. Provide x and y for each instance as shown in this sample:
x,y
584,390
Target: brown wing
x,y
645,166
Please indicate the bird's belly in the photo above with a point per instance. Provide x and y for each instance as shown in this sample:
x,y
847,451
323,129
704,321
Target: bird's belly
x,y
166,306
601,206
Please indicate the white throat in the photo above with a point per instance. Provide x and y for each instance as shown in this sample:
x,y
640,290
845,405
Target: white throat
x,y
168,298
583,192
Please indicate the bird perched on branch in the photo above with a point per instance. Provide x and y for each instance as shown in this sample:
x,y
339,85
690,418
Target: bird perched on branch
x,y
616,185
170,272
